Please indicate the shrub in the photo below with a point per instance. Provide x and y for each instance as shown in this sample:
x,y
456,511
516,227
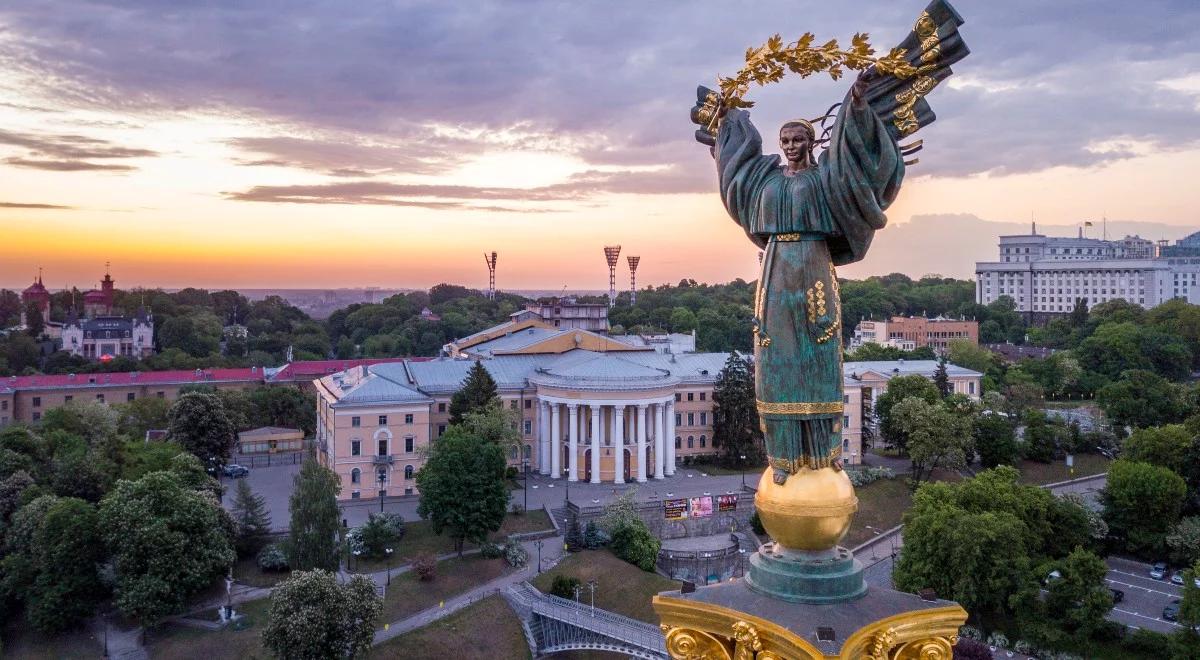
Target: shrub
x,y
511,473
564,586
756,524
425,566
970,632
515,554
866,475
1023,647
381,531
491,550
574,538
592,538
634,543
272,558
1147,644
998,640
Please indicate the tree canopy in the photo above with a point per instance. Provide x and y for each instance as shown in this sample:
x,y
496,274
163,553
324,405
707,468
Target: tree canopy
x,y
461,462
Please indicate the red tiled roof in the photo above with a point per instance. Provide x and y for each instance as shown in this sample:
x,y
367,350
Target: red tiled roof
x,y
133,378
313,369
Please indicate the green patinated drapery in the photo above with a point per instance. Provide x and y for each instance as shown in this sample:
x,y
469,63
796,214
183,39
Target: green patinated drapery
x,y
807,223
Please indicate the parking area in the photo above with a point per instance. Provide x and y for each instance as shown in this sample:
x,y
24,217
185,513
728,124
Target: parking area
x,y
1145,597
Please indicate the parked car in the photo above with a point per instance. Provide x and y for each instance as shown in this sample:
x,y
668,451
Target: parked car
x,y
1171,611
1117,595
235,471
1052,576
1177,578
1159,570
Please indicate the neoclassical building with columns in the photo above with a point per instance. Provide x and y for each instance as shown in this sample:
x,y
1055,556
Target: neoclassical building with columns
x,y
583,415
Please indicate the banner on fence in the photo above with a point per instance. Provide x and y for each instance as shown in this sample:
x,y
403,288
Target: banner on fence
x,y
675,509
702,507
726,502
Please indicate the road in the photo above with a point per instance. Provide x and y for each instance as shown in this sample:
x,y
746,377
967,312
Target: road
x,y
1145,597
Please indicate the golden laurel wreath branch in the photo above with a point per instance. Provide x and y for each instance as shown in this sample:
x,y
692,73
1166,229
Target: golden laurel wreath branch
x,y
768,63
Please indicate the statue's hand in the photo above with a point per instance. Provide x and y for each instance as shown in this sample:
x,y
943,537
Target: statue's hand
x,y
864,80
704,137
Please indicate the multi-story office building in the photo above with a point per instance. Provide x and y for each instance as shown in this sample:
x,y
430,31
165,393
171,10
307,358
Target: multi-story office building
x,y
1046,275
910,332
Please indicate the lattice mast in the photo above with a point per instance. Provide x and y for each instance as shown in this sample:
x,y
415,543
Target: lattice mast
x,y
612,253
491,264
633,264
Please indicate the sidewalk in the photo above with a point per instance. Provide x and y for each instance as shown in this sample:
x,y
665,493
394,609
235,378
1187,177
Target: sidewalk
x,y
551,554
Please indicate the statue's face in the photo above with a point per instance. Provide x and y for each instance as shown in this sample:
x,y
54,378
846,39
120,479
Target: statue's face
x,y
795,144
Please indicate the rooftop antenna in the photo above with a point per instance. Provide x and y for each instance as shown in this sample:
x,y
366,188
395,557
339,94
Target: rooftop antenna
x,y
611,253
633,264
491,264
1104,220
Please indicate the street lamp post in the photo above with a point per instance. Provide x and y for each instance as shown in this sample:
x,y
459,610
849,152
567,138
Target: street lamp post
x,y
525,465
742,460
382,475
538,543
357,560
104,616
389,565
592,586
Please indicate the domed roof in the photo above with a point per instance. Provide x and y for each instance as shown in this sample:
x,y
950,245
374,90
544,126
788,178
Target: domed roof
x,y
95,296
602,371
35,289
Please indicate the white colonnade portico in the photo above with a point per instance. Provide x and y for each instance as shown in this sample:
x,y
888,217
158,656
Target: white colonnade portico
x,y
605,440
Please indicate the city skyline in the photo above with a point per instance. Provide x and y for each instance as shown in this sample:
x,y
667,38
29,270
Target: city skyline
x,y
225,146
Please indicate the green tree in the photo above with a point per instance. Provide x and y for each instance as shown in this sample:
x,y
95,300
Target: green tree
x,y
1075,604
167,543
1044,438
289,407
937,437
251,520
1189,607
141,415
634,543
35,325
1184,541
994,439
1166,446
495,424
478,391
1141,399
899,389
67,554
941,378
736,429
200,423
312,616
313,542
380,532
1142,503
458,463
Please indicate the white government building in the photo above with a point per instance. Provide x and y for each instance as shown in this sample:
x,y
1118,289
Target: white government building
x,y
1047,274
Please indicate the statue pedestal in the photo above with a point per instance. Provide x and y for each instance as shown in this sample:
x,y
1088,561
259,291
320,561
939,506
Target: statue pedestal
x,y
831,576
732,621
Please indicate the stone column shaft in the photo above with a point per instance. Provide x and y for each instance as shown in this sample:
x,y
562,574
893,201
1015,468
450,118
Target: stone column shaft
x,y
555,439
669,468
544,437
619,445
660,449
597,432
573,444
641,444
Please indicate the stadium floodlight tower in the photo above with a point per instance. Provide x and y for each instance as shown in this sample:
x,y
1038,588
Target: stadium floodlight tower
x,y
633,263
611,253
491,264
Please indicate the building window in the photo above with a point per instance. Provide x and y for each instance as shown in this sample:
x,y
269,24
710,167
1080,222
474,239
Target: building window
x,y
37,402
383,420
129,396
971,387
528,427
100,398
441,430
703,441
528,404
408,472
845,421
355,495
691,419
677,441
691,396
702,395
356,422
355,476
513,404
408,444
678,419
3,405
528,451
66,399
356,447
845,398
441,407
678,396
160,395
37,416
691,441
408,419
383,447
703,419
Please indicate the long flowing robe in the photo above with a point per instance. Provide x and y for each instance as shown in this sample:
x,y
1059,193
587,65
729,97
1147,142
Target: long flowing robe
x,y
808,223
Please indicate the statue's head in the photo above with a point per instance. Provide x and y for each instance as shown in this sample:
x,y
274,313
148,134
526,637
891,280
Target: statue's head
x,y
797,139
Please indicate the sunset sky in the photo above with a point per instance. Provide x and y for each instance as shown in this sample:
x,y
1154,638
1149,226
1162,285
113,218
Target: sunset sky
x,y
324,144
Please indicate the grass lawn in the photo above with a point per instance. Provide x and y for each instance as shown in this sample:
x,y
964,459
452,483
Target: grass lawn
x,y
21,641
620,587
174,641
488,628
419,538
1036,473
881,505
246,571
407,595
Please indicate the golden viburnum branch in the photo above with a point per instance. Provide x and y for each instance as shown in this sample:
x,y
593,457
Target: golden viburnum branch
x,y
767,64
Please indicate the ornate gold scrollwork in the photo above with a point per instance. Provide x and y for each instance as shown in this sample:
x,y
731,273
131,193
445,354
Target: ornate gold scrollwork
x,y
931,48
933,648
689,644
881,645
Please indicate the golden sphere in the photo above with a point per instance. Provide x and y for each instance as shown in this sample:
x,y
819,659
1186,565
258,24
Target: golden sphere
x,y
810,511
